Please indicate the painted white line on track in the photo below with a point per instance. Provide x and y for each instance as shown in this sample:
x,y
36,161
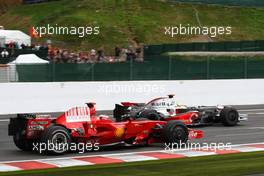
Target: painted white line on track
x,y
259,113
236,129
242,134
230,130
255,114
4,120
256,128
244,110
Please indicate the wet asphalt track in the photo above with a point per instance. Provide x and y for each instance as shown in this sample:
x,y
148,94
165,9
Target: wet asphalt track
x,y
251,131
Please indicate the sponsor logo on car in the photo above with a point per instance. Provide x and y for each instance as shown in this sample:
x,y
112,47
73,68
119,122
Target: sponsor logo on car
x,y
78,114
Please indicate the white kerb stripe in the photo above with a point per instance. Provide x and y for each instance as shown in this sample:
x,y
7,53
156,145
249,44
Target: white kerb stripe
x,y
6,168
66,162
247,149
190,153
132,157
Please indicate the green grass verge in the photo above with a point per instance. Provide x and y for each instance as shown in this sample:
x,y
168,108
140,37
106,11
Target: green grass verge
x,y
221,165
137,20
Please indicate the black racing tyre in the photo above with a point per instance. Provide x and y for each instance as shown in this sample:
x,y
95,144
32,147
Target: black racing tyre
x,y
229,116
21,142
149,114
175,132
57,138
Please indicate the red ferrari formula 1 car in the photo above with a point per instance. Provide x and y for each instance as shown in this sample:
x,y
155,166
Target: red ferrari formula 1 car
x,y
81,125
166,109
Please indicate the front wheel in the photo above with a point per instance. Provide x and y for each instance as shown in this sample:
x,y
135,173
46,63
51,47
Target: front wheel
x,y
175,132
229,116
57,140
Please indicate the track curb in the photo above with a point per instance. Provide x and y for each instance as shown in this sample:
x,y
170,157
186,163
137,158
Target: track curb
x,y
8,166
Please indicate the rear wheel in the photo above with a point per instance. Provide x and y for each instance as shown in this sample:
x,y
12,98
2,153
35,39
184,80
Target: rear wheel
x,y
21,142
149,114
57,140
175,132
229,116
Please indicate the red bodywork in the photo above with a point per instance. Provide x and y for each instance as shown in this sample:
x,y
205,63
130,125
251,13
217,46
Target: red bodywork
x,y
187,118
84,126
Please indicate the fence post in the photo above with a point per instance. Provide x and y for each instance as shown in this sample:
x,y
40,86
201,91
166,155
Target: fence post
x,y
131,69
16,75
208,67
53,72
169,76
246,68
92,75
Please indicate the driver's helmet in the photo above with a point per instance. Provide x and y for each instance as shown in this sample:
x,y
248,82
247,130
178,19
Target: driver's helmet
x,y
164,105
